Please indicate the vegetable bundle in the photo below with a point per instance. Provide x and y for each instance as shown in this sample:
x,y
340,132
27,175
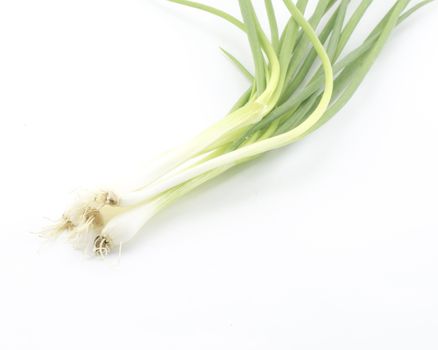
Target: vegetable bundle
x,y
288,99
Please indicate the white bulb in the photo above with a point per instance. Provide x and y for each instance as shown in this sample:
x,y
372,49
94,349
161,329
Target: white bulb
x,y
125,226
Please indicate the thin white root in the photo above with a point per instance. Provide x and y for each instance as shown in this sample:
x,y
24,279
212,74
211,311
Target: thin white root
x,y
102,246
64,225
83,223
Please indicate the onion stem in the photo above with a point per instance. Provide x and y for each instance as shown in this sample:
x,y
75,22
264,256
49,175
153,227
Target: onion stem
x,y
286,101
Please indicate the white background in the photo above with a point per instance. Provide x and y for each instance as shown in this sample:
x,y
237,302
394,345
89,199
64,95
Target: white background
x,y
329,244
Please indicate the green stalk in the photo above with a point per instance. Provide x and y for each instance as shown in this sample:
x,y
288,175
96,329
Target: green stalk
x,y
366,64
275,40
246,73
356,54
233,20
253,37
346,66
255,149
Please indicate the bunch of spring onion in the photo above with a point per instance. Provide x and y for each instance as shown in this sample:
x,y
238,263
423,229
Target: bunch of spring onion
x,y
287,100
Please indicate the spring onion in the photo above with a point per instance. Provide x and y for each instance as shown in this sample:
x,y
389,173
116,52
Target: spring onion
x,y
287,100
